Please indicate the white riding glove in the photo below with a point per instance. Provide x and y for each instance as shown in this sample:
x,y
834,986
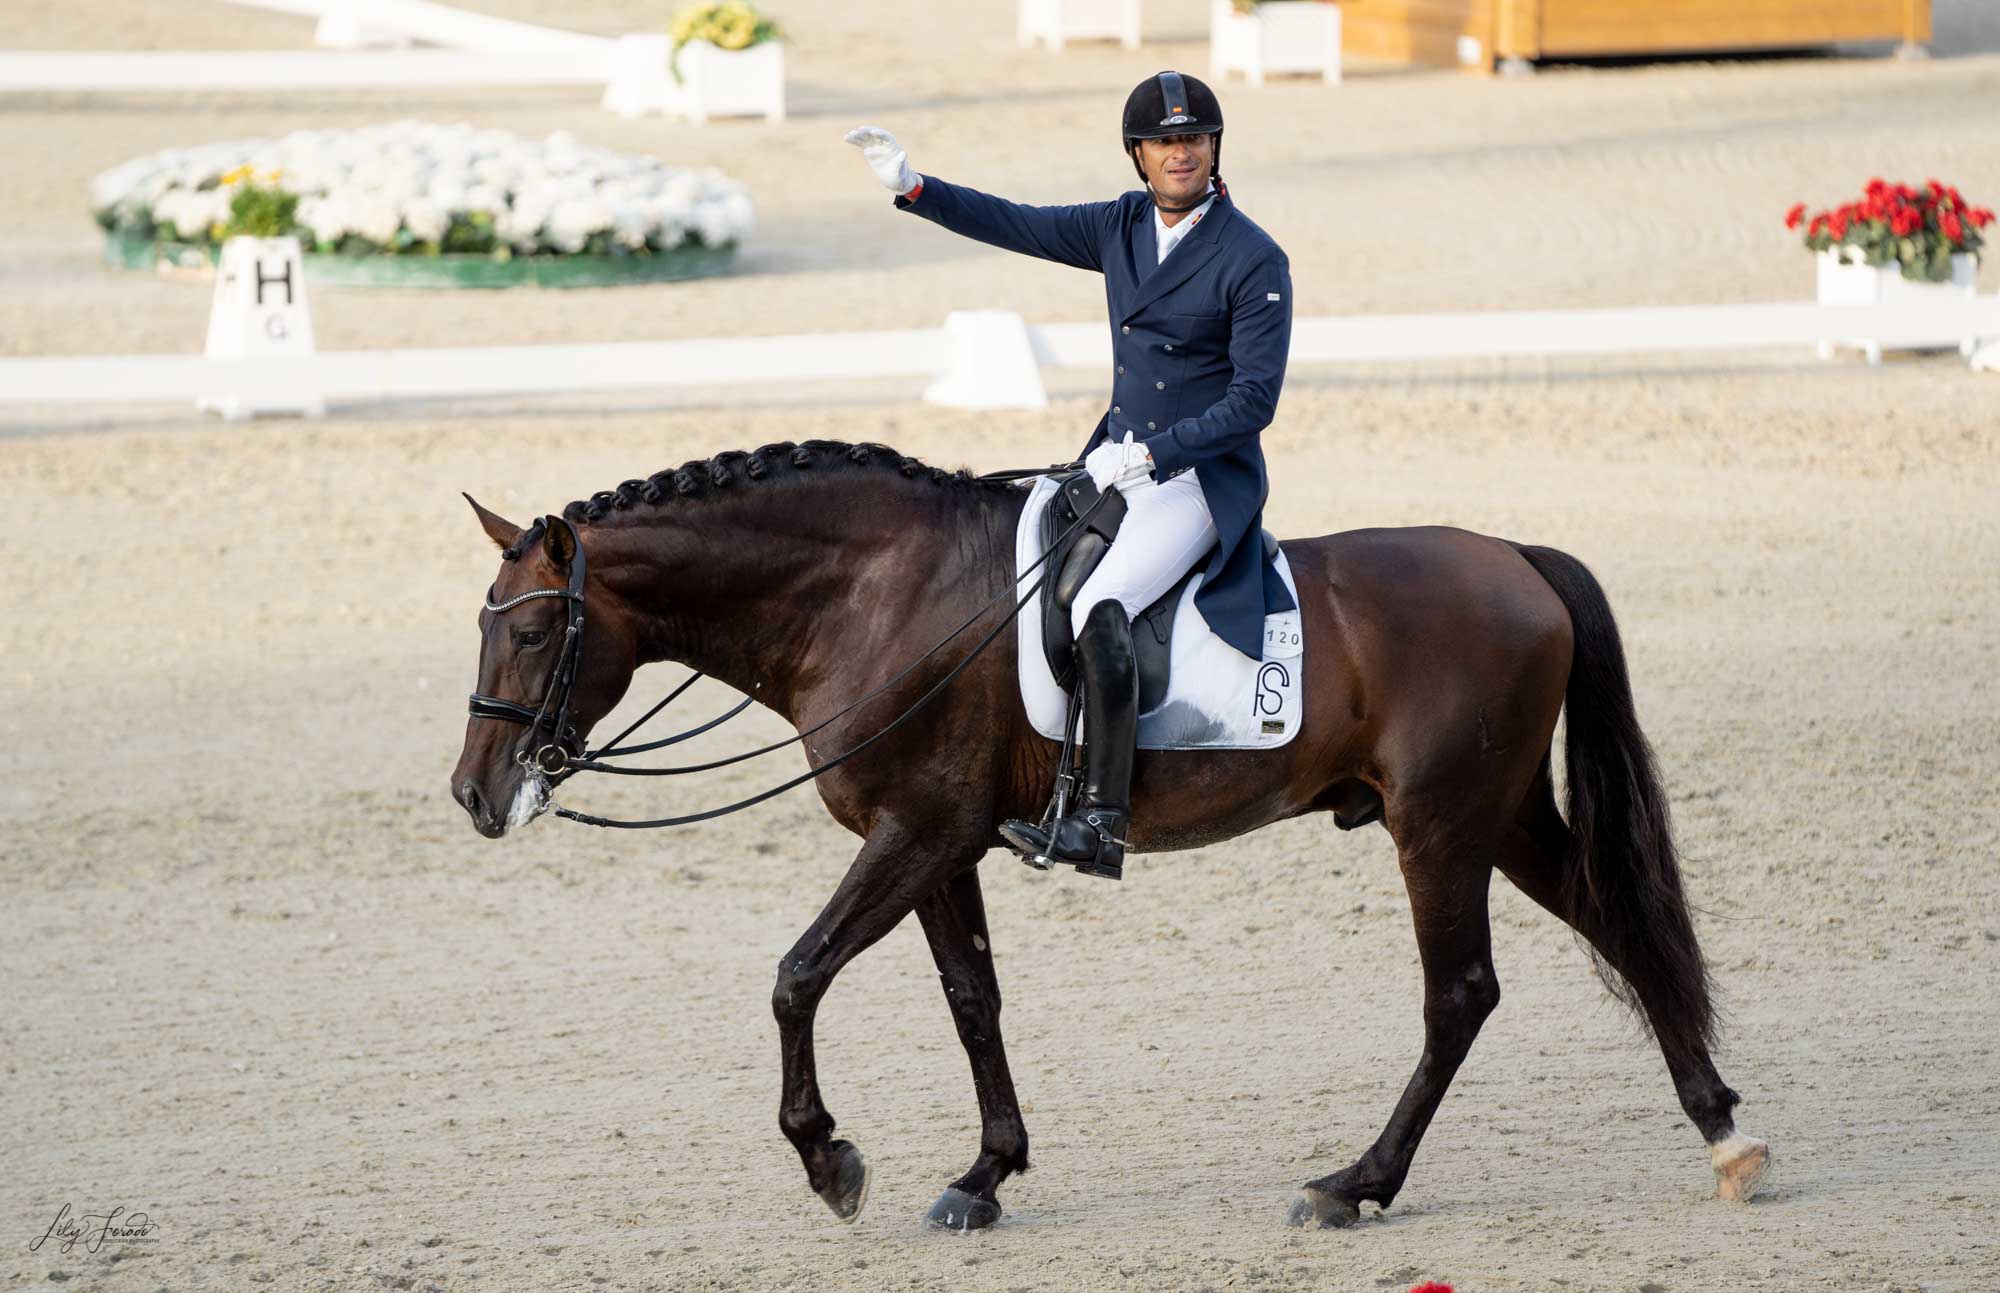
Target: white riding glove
x,y
885,157
1118,463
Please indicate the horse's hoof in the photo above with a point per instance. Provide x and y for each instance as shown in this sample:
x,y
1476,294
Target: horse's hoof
x,y
1741,1165
849,1189
1322,1211
957,1210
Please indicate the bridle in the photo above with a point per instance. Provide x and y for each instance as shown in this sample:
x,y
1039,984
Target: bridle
x,y
563,755
551,717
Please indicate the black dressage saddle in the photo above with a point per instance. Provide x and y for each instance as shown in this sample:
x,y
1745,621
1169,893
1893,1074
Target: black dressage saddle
x,y
1152,629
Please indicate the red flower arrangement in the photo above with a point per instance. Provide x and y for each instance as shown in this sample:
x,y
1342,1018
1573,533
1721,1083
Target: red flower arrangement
x,y
1894,224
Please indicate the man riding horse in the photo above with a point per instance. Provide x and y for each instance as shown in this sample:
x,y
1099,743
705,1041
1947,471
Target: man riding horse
x,y
1201,314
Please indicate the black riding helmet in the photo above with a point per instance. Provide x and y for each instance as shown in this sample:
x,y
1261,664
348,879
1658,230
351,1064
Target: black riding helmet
x,y
1171,104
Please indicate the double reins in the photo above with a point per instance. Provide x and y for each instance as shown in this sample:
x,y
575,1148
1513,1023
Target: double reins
x,y
557,761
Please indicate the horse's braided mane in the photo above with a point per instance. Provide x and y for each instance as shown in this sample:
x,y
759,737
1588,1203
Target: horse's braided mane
x,y
708,477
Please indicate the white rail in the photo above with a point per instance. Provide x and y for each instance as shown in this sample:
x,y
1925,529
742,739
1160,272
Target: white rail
x,y
940,353
300,69
478,50
434,24
502,370
1366,338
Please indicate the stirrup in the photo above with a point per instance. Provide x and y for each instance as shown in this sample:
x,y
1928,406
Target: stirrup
x,y
1036,845
1021,841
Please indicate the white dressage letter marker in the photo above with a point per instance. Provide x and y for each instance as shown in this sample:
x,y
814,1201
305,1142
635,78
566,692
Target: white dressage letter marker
x,y
993,363
260,312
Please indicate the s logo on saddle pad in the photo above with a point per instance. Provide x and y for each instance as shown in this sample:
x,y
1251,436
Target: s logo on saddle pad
x,y
1216,698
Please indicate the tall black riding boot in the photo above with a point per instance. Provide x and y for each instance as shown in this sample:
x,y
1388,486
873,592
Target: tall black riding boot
x,y
1092,837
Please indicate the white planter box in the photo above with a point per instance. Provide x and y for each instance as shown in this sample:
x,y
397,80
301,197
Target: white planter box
x,y
718,82
1276,36
1054,22
1846,279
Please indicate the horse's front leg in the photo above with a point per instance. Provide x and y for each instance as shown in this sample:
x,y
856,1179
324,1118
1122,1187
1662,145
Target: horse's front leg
x,y
890,874
954,920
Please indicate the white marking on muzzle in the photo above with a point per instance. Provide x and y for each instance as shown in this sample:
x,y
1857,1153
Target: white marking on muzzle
x,y
531,800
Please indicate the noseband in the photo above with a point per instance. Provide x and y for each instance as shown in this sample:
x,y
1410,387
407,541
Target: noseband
x,y
551,717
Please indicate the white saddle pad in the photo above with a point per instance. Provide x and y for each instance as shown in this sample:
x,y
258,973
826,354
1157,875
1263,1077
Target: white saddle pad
x,y
1217,697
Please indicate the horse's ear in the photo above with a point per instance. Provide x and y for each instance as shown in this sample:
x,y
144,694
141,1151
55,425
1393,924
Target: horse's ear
x,y
498,528
558,542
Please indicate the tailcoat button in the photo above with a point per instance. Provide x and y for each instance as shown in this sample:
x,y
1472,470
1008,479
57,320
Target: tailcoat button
x,y
1151,427
1159,386
1121,368
1170,345
1116,409
1126,330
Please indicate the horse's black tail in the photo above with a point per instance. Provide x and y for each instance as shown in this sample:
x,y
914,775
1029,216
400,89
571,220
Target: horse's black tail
x,y
1622,876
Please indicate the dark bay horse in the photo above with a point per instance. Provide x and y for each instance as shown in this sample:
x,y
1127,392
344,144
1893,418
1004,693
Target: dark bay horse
x,y
1438,661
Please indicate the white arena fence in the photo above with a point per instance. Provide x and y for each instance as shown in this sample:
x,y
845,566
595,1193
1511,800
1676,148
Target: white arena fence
x,y
474,50
298,70
346,23
979,359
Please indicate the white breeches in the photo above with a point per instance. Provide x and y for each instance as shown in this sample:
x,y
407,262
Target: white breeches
x,y
1166,530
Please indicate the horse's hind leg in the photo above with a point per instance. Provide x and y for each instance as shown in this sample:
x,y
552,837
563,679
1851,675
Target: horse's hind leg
x,y
1447,887
954,920
1534,860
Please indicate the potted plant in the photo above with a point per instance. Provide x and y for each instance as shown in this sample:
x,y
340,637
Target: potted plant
x,y
729,60
1898,243
1057,22
1256,37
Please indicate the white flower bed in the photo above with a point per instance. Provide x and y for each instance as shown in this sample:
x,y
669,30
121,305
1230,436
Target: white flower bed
x,y
413,188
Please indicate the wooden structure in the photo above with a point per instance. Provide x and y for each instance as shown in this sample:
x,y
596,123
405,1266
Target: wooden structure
x,y
1483,34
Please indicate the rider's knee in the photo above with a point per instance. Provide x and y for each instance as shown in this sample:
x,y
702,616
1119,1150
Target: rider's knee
x,y
1107,615
1107,619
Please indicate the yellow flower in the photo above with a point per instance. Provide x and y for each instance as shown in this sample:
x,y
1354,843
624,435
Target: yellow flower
x,y
273,176
729,24
240,174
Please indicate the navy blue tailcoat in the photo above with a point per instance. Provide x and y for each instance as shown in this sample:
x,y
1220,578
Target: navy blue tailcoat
x,y
1198,344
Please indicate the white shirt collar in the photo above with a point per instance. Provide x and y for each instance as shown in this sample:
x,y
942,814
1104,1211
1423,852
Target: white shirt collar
x,y
1169,238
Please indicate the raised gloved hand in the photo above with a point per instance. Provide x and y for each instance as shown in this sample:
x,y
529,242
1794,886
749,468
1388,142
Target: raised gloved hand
x,y
885,157
1118,463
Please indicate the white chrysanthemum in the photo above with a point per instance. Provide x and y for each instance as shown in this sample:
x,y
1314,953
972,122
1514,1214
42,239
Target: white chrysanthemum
x,y
630,225
326,217
375,218
189,213
484,197
426,220
496,171
669,221
521,225
574,220
711,221
742,215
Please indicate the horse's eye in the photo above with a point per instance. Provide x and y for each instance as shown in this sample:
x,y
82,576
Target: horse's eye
x,y
530,638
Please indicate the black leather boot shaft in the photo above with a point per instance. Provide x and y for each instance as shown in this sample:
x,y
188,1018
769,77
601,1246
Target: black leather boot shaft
x,y
1092,837
1110,680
